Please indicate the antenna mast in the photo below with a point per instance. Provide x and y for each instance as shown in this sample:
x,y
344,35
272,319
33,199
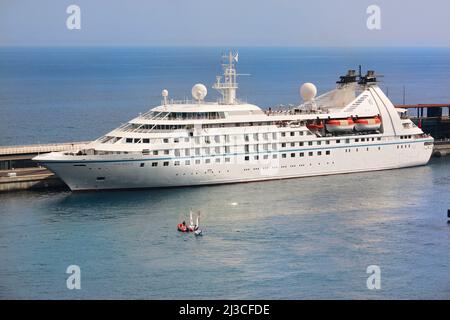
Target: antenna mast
x,y
228,86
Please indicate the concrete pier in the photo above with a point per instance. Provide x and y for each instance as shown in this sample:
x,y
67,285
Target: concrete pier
x,y
19,172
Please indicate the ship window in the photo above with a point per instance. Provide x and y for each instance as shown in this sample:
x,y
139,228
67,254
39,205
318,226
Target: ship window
x,y
292,155
176,163
166,163
283,155
227,149
246,137
338,141
283,134
166,140
319,143
292,144
266,136
129,140
197,161
283,145
373,139
255,137
166,151
356,140
177,152
367,149
227,138
347,140
187,152
207,160
227,159
274,135
187,162
197,140
207,139
292,133
310,143
216,139
142,164
176,140
246,158
206,151
301,133
302,154
101,178
363,139
379,138
310,154
319,153
137,140
217,160
328,141
274,156
197,151
266,156
155,152
256,157
327,152
146,141
154,164
309,133
186,139
301,144
217,149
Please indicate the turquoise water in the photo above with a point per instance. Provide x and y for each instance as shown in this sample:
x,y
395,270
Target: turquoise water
x,y
299,238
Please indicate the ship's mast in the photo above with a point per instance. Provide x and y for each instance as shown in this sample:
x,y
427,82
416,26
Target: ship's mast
x,y
228,86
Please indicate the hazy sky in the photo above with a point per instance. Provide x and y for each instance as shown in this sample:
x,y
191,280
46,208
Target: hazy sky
x,y
226,22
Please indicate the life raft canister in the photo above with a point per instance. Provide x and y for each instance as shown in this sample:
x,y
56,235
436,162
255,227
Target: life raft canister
x,y
181,227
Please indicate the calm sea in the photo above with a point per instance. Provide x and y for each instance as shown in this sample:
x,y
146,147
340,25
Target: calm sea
x,y
299,238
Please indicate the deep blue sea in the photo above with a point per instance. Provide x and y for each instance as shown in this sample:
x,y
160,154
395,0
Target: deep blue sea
x,y
291,239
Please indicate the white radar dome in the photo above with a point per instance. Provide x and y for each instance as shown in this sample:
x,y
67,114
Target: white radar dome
x,y
199,91
308,91
165,93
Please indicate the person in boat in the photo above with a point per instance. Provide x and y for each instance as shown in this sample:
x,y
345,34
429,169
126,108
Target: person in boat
x,y
182,227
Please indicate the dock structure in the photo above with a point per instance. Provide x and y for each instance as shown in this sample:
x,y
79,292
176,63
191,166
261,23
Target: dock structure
x,y
19,172
431,118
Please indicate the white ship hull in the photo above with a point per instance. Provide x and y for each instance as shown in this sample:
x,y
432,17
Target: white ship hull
x,y
128,174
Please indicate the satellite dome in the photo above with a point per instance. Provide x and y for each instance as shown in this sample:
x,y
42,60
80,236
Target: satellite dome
x,y
199,91
165,93
308,91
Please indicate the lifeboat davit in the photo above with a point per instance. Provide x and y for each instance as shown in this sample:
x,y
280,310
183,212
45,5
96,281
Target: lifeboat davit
x,y
368,124
339,125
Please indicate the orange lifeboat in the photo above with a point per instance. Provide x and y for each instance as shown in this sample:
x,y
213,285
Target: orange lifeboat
x,y
340,125
368,124
315,126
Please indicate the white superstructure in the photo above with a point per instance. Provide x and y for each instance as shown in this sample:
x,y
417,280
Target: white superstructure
x,y
352,128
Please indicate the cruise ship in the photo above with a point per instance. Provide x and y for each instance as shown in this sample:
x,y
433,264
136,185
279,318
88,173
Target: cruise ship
x,y
353,128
